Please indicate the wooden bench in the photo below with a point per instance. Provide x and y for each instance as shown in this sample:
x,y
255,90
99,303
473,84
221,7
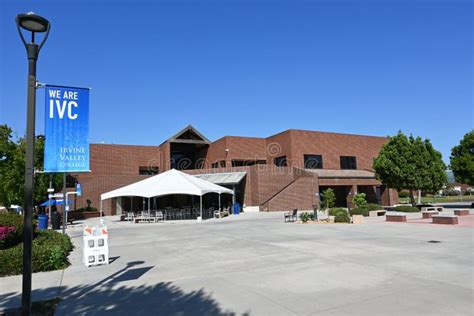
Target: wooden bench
x,y
396,217
463,212
377,213
428,214
445,219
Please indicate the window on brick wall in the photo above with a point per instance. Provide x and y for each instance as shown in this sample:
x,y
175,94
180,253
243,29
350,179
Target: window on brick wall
x,y
348,162
240,163
280,161
71,181
215,165
313,161
222,163
148,170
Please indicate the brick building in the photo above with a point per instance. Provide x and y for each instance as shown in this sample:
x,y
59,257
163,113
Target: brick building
x,y
280,172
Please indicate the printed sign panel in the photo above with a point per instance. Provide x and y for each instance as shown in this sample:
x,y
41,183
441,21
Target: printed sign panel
x,y
66,146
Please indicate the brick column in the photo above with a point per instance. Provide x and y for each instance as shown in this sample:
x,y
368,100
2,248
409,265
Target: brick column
x,y
350,195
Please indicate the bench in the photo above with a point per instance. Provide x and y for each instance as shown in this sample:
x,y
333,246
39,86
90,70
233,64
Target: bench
x,y
463,212
428,214
377,213
445,219
145,219
291,216
432,208
396,217
221,214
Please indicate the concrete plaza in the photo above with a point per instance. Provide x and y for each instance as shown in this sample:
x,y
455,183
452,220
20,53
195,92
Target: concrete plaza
x,y
255,264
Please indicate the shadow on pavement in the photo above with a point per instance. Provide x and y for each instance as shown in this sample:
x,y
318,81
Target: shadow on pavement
x,y
107,296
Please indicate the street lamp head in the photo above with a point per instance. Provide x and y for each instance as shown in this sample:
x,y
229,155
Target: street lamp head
x,y
32,22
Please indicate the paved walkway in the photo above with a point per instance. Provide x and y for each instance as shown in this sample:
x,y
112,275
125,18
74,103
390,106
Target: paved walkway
x,y
257,265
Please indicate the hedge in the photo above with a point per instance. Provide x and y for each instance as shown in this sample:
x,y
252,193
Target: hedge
x,y
50,252
340,215
406,209
364,210
14,223
359,211
333,211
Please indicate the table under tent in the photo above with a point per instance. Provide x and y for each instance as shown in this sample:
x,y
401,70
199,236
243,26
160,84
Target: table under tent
x,y
172,182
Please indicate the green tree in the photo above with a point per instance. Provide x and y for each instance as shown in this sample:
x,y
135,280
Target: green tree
x,y
359,200
410,163
328,198
12,169
462,160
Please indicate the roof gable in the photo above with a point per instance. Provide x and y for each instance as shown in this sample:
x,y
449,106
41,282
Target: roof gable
x,y
188,135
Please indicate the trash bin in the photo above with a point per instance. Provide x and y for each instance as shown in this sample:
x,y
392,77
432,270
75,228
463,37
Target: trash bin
x,y
236,208
42,222
56,221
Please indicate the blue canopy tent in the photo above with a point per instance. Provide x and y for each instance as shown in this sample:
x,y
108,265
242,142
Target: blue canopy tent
x,y
55,202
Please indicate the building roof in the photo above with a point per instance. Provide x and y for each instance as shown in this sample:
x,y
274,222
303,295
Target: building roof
x,y
188,135
228,178
331,173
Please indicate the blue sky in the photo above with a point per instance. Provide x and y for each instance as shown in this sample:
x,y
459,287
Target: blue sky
x,y
251,68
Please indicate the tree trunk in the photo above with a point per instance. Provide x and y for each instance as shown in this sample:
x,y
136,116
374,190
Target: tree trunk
x,y
412,198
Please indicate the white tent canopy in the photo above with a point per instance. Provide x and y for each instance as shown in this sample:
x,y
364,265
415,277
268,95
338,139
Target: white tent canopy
x,y
169,182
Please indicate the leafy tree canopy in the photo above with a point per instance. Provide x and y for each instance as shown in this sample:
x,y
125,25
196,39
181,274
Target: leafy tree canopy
x,y
410,163
12,169
462,160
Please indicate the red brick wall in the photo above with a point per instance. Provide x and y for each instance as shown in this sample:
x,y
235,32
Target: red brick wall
x,y
114,166
279,145
331,146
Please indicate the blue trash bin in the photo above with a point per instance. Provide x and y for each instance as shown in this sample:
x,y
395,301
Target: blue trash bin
x,y
236,208
42,222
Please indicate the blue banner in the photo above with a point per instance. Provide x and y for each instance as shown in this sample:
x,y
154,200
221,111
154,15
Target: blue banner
x,y
66,146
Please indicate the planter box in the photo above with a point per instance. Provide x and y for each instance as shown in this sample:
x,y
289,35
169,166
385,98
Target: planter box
x,y
463,212
87,215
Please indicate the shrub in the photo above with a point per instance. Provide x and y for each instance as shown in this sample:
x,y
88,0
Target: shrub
x,y
359,199
305,217
406,209
404,194
365,209
13,237
373,207
333,211
342,217
328,198
86,209
359,211
50,251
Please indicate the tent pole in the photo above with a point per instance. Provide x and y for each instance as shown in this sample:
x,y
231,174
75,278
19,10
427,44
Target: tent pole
x,y
200,205
219,202
101,207
148,207
131,204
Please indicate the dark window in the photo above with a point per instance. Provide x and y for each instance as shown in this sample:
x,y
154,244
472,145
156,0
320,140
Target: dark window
x,y
280,161
348,162
215,165
148,171
240,163
222,163
313,161
71,181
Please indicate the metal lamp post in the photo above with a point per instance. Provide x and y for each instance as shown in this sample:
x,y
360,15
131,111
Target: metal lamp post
x,y
34,24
